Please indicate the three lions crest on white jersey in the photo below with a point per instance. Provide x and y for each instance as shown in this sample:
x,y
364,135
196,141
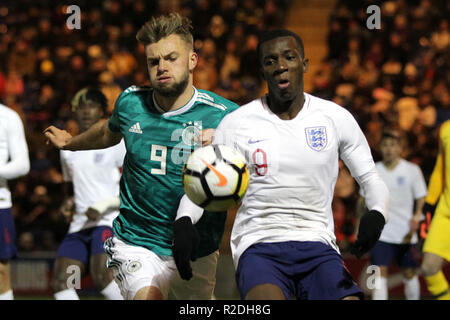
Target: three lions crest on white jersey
x,y
316,138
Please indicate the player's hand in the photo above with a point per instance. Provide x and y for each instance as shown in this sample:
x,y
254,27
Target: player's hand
x,y
369,232
92,214
205,137
67,209
424,225
414,224
184,248
58,137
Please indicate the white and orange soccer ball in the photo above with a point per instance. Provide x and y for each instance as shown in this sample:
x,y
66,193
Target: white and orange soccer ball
x,y
215,177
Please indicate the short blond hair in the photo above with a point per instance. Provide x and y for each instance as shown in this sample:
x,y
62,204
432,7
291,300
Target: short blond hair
x,y
163,26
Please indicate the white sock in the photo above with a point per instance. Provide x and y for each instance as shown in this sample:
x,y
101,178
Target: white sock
x,y
68,294
412,288
112,291
380,292
8,295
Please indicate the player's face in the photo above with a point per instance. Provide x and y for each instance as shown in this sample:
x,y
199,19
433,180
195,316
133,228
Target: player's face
x,y
283,67
170,64
87,114
390,149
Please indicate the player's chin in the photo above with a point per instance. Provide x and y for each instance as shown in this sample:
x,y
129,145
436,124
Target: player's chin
x,y
286,95
166,90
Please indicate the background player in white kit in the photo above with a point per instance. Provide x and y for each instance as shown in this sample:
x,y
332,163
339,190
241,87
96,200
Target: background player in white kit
x,y
283,241
14,162
407,190
95,175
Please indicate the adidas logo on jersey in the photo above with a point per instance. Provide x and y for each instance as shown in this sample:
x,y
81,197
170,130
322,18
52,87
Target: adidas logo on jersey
x,y
136,128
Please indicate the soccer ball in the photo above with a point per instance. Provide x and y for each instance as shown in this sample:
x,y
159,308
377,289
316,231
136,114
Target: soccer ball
x,y
215,177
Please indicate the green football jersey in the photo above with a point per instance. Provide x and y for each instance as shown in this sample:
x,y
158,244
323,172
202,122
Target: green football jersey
x,y
158,144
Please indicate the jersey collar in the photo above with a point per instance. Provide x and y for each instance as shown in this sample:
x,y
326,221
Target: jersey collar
x,y
178,111
304,109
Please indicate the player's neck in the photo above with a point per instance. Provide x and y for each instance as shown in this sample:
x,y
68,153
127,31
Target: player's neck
x,y
390,165
168,103
286,110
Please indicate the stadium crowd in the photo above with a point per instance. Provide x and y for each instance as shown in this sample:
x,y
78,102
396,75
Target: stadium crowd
x,y
398,73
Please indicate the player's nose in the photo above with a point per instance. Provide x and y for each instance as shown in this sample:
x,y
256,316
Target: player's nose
x,y
281,67
162,65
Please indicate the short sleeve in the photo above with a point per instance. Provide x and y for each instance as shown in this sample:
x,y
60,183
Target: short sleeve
x,y
120,153
66,172
419,184
114,120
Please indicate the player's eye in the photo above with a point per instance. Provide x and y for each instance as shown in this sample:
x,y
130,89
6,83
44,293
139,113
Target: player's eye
x,y
172,58
153,62
269,62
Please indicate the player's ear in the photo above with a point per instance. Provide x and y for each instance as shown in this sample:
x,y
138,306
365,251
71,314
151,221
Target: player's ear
x,y
305,65
193,59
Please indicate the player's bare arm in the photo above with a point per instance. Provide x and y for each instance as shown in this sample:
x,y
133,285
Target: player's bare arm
x,y
415,221
205,137
96,137
67,209
98,209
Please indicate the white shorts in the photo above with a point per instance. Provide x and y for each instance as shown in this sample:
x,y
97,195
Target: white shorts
x,y
136,267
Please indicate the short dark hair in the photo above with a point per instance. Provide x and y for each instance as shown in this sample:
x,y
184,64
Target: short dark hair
x,y
92,94
392,133
278,33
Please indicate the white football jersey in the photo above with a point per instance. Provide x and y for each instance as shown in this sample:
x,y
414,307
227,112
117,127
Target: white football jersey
x,y
293,170
406,184
95,176
14,159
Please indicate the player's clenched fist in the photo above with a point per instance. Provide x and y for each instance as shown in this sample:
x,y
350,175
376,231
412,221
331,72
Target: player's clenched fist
x,y
369,232
58,137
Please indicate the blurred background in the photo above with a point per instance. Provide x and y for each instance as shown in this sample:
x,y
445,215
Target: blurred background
x,y
396,74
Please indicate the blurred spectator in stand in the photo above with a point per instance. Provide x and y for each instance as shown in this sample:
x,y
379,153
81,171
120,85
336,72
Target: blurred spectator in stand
x,y
337,38
230,63
217,31
440,39
40,203
408,111
22,58
203,13
25,242
227,9
250,71
249,13
109,88
205,76
122,64
272,17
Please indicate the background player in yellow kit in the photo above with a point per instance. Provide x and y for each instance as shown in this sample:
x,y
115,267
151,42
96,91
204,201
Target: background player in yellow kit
x,y
437,234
